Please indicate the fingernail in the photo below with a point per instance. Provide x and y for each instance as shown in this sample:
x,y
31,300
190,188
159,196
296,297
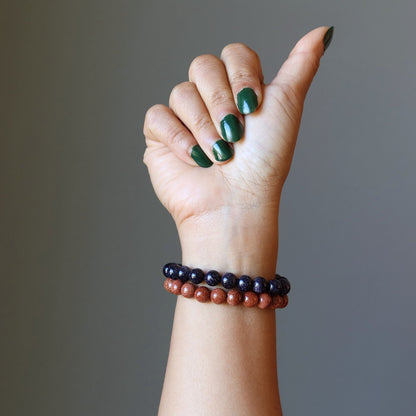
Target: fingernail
x,y
222,150
247,101
231,128
200,157
328,37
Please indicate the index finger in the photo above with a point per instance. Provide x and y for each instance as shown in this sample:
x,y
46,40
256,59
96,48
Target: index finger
x,y
245,76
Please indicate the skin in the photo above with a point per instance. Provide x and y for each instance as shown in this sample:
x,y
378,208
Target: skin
x,y
222,359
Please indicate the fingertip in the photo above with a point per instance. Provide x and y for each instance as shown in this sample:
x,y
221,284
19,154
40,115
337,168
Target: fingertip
x,y
222,151
247,101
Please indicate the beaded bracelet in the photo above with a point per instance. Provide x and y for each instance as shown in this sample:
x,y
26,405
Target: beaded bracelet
x,y
233,297
181,280
278,286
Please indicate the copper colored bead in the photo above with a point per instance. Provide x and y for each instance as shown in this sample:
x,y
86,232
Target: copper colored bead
x,y
166,284
234,297
188,290
218,296
277,302
202,294
264,300
169,285
176,287
285,301
250,299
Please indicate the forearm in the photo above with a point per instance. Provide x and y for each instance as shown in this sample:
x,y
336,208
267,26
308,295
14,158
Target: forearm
x,y
222,358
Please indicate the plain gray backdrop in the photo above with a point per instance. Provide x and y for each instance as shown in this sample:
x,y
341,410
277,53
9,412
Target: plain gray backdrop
x,y
85,322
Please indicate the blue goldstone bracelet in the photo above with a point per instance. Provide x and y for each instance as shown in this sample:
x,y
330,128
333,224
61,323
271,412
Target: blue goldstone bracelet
x,y
279,285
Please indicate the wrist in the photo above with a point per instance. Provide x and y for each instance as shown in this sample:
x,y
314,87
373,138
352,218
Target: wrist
x,y
236,240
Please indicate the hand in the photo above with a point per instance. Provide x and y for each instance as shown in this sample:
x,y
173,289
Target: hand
x,y
244,183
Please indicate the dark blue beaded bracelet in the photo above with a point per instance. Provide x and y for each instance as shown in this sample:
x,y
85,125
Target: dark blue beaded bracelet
x,y
166,269
196,276
213,278
183,273
275,287
245,283
260,285
173,271
285,285
229,280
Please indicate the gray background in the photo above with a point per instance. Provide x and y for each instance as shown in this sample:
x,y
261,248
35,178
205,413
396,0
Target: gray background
x,y
85,322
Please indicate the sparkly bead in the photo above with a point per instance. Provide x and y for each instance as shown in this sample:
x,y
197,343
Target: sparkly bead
x,y
176,287
285,301
285,285
183,273
202,294
166,269
264,300
213,278
260,285
277,302
188,290
234,297
245,283
275,287
218,296
196,276
173,271
250,299
166,284
229,280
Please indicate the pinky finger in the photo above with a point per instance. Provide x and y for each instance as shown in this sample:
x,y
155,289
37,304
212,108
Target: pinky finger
x,y
161,125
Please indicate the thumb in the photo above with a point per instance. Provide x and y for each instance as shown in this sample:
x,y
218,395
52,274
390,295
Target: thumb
x,y
296,74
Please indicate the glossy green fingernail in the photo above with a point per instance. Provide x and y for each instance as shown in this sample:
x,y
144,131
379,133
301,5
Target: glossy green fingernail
x,y
231,128
222,151
328,37
200,157
247,101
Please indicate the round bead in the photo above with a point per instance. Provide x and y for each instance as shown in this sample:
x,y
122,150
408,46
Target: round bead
x,y
285,301
285,285
169,284
234,297
277,302
188,290
218,296
250,299
245,283
264,300
183,273
196,276
213,278
173,271
166,284
275,287
229,280
260,285
166,269
176,287
202,294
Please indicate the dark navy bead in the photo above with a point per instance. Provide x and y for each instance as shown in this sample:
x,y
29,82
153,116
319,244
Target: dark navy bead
x,y
260,285
183,273
285,285
213,278
275,287
229,280
166,269
173,271
196,276
245,283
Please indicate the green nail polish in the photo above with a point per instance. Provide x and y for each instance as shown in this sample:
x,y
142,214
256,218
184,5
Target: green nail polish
x,y
222,151
247,101
200,157
328,37
231,128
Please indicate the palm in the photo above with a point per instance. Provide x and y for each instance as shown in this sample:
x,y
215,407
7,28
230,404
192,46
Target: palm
x,y
255,176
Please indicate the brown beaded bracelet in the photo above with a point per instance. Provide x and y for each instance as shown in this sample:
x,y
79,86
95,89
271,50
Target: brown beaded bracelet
x,y
233,297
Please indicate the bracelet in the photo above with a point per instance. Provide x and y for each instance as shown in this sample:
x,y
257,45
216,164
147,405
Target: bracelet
x,y
182,280
278,286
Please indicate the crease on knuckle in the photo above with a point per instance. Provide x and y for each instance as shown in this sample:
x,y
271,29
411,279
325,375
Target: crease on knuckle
x,y
151,118
219,97
180,92
201,122
201,63
289,100
241,77
177,137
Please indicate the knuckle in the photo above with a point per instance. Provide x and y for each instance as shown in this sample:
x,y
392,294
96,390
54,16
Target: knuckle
x,y
177,137
238,49
151,118
241,77
201,122
181,91
200,63
290,99
218,98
